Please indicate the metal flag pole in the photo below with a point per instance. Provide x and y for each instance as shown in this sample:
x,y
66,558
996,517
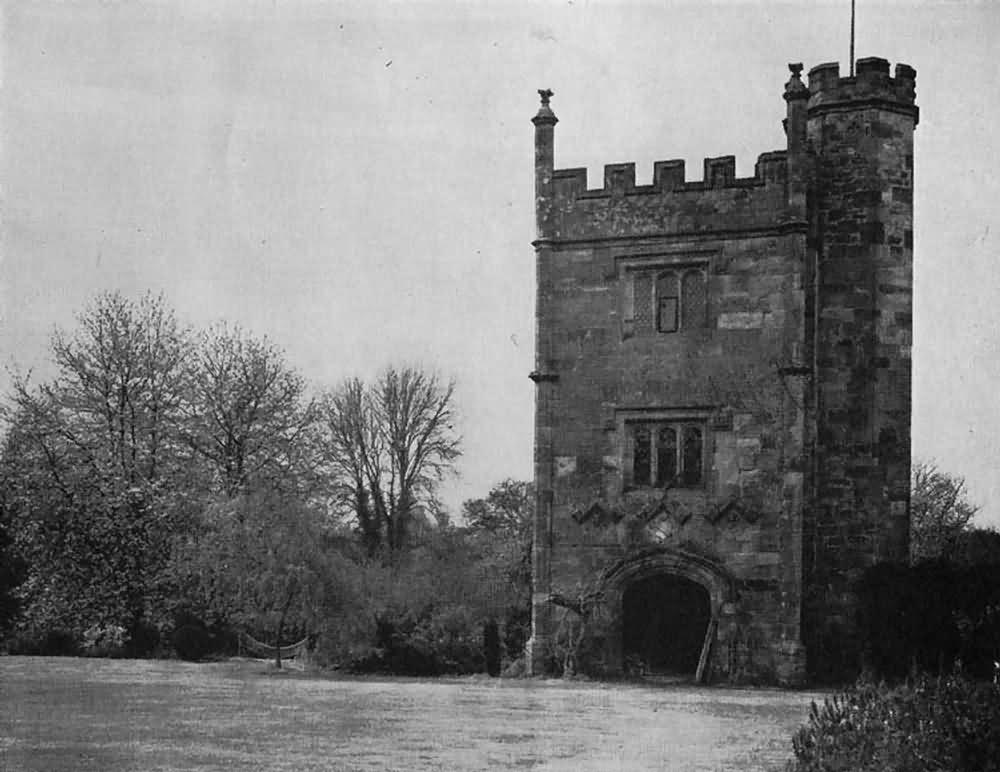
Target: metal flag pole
x,y
852,39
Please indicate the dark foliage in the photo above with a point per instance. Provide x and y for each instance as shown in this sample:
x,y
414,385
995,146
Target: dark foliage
x,y
143,640
192,642
50,643
12,572
976,547
223,639
427,644
491,647
517,629
932,616
933,724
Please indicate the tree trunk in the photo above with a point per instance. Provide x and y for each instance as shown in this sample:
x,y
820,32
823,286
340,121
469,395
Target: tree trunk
x,y
281,624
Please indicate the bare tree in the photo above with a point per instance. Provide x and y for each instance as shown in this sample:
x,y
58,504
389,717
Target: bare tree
x,y
247,413
583,605
389,445
354,451
940,511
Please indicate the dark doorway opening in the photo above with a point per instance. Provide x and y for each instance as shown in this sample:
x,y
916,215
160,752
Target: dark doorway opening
x,y
664,620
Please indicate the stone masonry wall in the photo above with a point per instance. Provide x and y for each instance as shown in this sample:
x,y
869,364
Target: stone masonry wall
x,y
598,368
861,130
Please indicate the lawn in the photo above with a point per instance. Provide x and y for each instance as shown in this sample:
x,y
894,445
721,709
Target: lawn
x,y
63,715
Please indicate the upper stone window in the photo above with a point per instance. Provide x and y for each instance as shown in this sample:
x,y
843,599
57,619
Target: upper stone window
x,y
667,454
670,301
667,303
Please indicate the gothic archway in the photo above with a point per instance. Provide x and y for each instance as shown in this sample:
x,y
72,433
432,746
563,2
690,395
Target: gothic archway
x,y
666,605
664,619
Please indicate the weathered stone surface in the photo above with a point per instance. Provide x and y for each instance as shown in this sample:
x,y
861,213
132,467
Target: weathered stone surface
x,y
769,318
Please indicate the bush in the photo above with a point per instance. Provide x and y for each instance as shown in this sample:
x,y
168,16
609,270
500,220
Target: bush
x,y
434,641
948,724
491,647
932,617
223,639
192,642
423,613
516,630
51,643
143,640
104,640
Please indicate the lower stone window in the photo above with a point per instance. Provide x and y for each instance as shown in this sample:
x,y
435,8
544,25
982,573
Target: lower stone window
x,y
667,454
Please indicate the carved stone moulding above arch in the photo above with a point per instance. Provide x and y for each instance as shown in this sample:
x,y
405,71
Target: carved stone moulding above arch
x,y
600,514
717,581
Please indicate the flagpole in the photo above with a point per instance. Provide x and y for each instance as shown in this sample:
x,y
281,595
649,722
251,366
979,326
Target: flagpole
x,y
852,38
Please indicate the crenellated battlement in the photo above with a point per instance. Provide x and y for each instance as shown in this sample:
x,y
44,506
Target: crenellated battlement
x,y
669,177
871,84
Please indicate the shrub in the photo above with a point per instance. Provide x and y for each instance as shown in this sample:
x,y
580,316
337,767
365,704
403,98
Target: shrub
x,y
948,724
51,643
191,642
931,616
223,639
516,630
143,640
423,612
491,647
429,642
104,640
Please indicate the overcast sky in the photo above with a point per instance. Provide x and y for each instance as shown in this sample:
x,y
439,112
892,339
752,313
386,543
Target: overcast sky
x,y
354,180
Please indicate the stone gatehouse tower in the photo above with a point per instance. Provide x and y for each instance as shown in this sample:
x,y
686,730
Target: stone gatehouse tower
x,y
722,427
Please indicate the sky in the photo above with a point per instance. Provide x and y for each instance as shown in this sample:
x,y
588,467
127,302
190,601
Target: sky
x,y
355,180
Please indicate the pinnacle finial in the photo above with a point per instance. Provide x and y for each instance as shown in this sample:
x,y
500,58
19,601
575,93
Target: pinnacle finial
x,y
795,88
545,116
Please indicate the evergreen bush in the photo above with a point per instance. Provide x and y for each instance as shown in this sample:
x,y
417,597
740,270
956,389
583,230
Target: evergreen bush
x,y
948,723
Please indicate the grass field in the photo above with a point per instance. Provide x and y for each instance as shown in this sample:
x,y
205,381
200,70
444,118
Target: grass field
x,y
77,715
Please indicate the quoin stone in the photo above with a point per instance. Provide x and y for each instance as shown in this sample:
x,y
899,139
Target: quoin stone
x,y
722,415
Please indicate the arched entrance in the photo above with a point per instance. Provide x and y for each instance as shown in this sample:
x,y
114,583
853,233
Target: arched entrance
x,y
664,621
666,607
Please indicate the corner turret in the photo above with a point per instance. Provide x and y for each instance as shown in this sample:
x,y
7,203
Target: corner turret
x,y
871,86
860,134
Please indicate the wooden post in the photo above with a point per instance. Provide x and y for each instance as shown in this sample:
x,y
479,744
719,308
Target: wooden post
x,y
706,648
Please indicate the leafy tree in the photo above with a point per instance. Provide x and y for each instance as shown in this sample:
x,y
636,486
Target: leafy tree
x,y
13,569
247,415
259,562
388,445
940,512
507,509
976,547
501,523
91,465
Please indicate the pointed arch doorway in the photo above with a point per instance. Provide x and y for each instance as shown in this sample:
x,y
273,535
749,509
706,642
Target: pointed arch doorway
x,y
668,607
665,618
